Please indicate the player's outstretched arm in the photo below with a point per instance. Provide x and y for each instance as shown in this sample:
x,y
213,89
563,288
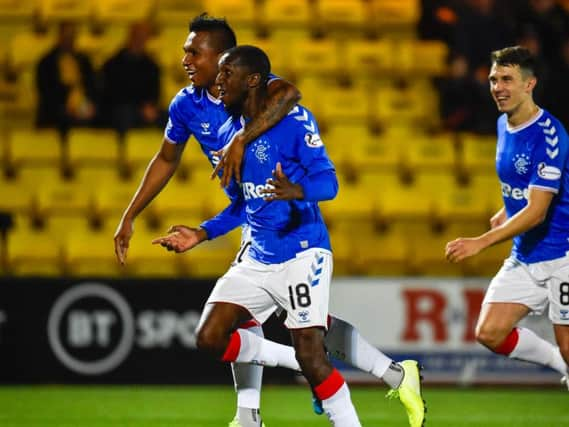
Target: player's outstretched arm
x,y
181,238
530,216
159,171
282,96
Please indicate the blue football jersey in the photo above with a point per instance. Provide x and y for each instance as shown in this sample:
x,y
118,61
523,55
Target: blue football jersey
x,y
281,229
535,155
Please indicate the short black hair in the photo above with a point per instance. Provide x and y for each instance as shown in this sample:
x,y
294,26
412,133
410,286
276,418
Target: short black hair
x,y
516,55
251,57
226,36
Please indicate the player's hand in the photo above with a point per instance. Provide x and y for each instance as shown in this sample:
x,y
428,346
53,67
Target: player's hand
x,y
462,248
122,238
230,160
181,238
498,218
281,188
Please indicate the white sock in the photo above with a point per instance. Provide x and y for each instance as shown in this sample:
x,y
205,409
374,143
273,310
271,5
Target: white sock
x,y
248,380
345,343
249,417
532,348
261,351
340,410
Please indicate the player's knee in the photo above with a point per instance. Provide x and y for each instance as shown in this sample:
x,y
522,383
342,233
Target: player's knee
x,y
211,340
489,336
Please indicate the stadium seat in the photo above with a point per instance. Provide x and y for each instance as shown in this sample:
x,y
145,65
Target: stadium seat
x,y
147,260
64,198
277,51
287,13
407,103
385,253
141,145
34,147
315,57
33,252
369,57
421,57
478,152
396,14
122,11
487,185
427,252
460,203
90,252
240,12
93,148
27,48
16,197
350,104
101,41
21,10
333,13
426,152
169,12
54,10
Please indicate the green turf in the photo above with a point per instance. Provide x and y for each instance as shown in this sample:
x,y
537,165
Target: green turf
x,y
69,406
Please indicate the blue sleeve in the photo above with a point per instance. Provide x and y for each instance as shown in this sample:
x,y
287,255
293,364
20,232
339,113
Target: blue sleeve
x,y
308,148
177,130
320,186
231,217
550,157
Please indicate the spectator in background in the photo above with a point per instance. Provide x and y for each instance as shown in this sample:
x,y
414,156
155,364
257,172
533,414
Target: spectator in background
x,y
66,84
131,84
438,20
548,20
557,91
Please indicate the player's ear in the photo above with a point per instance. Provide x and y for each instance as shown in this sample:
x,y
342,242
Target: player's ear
x,y
531,82
253,80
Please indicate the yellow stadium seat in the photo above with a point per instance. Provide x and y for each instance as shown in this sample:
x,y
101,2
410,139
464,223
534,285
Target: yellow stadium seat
x,y
33,252
16,197
122,10
478,152
277,51
90,252
64,197
427,253
37,147
421,57
385,254
315,57
17,10
289,13
101,42
93,148
342,12
487,185
396,12
348,105
460,203
343,140
27,48
239,12
430,153
372,152
369,57
168,12
52,10
141,145
145,259
406,102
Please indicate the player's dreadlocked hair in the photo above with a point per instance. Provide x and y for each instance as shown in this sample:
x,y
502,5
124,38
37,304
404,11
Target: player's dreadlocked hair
x,y
516,55
225,36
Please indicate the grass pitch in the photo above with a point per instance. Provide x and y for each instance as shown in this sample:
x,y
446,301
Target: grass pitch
x,y
286,406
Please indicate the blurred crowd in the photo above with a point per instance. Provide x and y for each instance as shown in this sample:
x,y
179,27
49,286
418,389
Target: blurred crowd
x,y
123,94
474,28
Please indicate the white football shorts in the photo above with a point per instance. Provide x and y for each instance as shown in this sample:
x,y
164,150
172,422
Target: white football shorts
x,y
301,286
537,286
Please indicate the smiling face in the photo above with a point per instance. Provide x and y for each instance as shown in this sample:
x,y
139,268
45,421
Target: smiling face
x,y
200,59
232,82
510,88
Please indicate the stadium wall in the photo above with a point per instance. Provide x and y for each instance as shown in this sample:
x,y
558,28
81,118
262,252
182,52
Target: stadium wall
x,y
142,331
